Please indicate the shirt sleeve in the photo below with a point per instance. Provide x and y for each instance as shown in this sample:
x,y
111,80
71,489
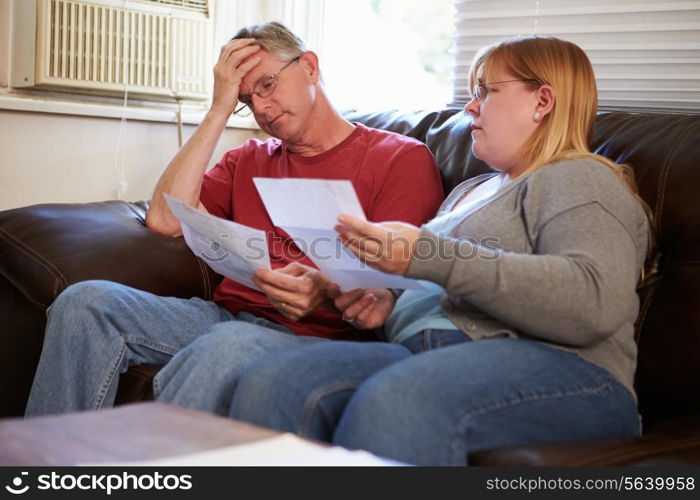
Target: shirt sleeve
x,y
217,186
577,289
411,191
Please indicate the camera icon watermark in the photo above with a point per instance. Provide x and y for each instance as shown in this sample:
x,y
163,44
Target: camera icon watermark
x,y
16,488
216,252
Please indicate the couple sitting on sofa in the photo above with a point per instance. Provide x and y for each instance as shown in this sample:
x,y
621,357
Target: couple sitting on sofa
x,y
531,341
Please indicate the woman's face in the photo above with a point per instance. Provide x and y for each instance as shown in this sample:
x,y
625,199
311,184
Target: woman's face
x,y
502,121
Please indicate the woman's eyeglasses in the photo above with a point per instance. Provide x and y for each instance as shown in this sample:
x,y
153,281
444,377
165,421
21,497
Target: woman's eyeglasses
x,y
480,90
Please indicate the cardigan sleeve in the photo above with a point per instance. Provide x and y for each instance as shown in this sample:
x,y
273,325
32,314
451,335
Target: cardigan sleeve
x,y
576,288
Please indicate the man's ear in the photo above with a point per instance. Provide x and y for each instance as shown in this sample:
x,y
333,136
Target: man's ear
x,y
546,98
309,61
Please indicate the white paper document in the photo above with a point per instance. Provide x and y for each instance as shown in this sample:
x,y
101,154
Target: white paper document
x,y
308,203
284,450
308,210
231,249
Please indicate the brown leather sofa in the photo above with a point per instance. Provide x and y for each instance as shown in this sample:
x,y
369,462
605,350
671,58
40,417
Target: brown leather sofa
x,y
44,248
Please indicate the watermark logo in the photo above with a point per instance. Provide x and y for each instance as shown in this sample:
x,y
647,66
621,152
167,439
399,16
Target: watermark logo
x,y
16,488
331,248
217,253
107,483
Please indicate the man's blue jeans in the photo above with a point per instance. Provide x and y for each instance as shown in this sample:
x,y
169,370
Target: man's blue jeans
x,y
436,407
97,329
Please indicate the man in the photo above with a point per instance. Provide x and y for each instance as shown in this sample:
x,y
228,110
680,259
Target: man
x,y
97,329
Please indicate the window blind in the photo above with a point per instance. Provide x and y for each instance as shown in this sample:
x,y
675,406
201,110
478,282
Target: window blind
x,y
645,53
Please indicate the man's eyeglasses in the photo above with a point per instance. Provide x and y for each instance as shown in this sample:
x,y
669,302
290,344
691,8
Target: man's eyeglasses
x,y
480,90
263,87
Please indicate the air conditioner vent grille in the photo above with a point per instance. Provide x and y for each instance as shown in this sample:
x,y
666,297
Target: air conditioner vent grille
x,y
109,49
192,5
93,44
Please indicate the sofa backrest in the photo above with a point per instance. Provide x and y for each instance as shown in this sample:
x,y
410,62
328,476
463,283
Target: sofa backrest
x,y
664,152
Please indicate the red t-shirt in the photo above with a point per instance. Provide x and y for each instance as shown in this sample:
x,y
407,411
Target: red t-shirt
x,y
395,178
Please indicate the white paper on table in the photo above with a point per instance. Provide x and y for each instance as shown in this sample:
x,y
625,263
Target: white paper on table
x,y
308,210
231,249
284,450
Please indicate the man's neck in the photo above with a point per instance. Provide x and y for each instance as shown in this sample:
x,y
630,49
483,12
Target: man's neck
x,y
325,131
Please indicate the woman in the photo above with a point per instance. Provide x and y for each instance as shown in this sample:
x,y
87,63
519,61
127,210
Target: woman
x,y
527,333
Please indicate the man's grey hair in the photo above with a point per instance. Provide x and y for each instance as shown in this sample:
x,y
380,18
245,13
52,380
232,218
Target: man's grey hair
x,y
275,38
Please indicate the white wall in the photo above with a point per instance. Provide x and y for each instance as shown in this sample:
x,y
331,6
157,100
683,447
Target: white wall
x,y
52,158
64,158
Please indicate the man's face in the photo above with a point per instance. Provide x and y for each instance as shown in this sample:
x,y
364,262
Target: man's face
x,y
284,113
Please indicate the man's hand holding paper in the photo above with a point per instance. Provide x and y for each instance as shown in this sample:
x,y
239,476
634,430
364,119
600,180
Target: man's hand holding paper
x,y
296,290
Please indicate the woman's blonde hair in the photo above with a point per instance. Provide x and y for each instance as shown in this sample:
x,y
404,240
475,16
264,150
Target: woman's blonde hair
x,y
565,132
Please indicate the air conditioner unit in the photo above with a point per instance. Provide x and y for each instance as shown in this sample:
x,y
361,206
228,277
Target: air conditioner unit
x,y
152,48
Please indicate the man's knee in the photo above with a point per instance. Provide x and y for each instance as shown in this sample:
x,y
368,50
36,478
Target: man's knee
x,y
83,307
86,293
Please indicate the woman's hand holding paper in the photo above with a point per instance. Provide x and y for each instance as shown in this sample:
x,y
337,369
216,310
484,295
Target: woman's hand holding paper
x,y
387,246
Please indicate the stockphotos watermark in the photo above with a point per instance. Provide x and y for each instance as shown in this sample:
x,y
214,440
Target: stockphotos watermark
x,y
95,482
330,248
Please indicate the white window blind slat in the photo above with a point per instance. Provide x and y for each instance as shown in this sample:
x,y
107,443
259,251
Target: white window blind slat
x,y
646,53
496,8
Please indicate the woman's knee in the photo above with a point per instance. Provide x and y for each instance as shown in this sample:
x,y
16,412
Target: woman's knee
x,y
282,393
305,390
283,379
258,388
387,416
384,396
226,343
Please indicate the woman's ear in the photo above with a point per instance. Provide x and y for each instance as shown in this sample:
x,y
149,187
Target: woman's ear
x,y
309,60
546,98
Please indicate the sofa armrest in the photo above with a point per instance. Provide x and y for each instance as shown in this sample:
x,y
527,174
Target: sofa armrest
x,y
676,443
45,248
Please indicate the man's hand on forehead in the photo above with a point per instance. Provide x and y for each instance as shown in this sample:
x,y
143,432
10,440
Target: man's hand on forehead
x,y
236,59
239,50
247,51
240,43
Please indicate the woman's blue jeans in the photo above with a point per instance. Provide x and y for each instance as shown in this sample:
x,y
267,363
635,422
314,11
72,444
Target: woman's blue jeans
x,y
435,407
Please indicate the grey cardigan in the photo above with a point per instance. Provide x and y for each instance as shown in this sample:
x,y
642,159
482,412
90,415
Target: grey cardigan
x,y
554,256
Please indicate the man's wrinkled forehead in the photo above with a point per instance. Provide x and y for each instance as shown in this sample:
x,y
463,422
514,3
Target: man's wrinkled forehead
x,y
268,65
